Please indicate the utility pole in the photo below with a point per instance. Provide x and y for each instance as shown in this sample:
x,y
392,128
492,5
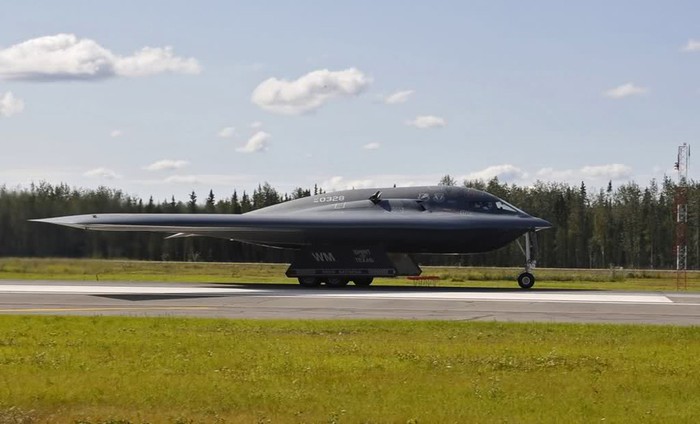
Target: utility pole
x,y
681,203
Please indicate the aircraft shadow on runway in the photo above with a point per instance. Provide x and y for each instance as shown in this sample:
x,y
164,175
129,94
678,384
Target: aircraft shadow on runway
x,y
397,289
257,289
144,297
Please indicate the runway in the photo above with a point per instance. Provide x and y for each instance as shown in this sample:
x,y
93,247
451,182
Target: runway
x,y
292,301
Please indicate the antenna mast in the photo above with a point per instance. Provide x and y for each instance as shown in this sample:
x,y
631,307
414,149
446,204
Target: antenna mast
x,y
681,203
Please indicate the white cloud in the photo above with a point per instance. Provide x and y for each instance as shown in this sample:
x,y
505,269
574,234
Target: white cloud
x,y
398,97
226,132
166,164
205,179
625,90
692,46
505,173
427,121
187,179
256,125
613,171
340,183
308,92
115,133
371,146
10,105
155,60
379,180
102,173
550,174
257,143
65,56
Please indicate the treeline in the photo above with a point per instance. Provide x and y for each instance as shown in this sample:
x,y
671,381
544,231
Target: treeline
x,y
628,225
18,237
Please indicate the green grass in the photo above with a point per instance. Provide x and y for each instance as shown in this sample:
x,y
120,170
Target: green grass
x,y
144,271
105,369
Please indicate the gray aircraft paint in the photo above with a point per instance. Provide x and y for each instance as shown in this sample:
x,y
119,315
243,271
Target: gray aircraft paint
x,y
353,234
407,220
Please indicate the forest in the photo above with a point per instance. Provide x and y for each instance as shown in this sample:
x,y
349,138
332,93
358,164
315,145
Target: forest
x,y
626,226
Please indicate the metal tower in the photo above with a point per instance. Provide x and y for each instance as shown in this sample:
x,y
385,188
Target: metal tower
x,y
681,203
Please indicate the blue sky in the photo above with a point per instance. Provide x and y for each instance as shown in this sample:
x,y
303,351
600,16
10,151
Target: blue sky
x,y
356,94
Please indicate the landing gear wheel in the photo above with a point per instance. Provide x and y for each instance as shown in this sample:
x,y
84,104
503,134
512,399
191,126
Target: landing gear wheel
x,y
362,281
526,280
309,281
337,282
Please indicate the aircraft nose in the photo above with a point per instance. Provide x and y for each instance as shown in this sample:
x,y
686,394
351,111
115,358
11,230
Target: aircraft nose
x,y
540,224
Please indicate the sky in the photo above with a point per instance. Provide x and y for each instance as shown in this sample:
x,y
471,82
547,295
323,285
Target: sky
x,y
162,98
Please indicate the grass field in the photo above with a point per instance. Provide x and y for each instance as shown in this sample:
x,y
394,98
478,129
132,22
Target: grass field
x,y
107,369
122,270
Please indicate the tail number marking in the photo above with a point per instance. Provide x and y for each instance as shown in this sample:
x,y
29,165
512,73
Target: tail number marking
x,y
323,256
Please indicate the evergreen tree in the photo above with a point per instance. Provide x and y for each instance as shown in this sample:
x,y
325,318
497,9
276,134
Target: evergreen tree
x,y
246,206
192,204
235,205
446,180
210,206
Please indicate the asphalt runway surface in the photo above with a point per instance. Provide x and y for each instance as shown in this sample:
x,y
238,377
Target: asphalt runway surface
x,y
380,302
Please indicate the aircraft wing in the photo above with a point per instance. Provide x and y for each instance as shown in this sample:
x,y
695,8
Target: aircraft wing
x,y
435,231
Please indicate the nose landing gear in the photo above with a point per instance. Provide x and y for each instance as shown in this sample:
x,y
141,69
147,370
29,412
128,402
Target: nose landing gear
x,y
526,280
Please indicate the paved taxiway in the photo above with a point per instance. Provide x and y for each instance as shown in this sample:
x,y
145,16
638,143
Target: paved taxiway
x,y
291,301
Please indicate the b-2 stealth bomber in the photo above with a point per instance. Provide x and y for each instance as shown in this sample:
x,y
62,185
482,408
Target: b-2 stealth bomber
x,y
354,235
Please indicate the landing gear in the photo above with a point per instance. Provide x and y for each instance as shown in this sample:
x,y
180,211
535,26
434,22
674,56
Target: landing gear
x,y
362,281
334,282
337,282
309,281
526,280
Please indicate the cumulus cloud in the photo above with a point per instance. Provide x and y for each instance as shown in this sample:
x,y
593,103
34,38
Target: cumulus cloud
x,y
10,105
505,172
186,179
378,180
65,56
115,133
155,60
340,183
371,146
427,121
626,90
692,46
398,97
256,125
551,174
226,132
102,173
257,143
204,179
166,165
309,92
613,171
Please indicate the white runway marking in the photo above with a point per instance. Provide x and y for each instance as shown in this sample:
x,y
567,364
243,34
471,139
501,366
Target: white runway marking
x,y
534,296
511,297
78,289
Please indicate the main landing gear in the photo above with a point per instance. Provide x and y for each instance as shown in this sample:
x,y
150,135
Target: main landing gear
x,y
334,282
526,280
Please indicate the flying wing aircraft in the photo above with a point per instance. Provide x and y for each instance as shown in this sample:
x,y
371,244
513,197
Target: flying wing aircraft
x,y
354,235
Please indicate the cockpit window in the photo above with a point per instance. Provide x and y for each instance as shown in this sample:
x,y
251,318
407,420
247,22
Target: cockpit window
x,y
505,207
499,207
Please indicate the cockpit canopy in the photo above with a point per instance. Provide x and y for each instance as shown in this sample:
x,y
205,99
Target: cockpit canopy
x,y
498,206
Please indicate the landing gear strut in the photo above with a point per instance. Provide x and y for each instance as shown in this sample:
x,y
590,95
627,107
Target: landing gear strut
x,y
526,280
337,282
309,281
